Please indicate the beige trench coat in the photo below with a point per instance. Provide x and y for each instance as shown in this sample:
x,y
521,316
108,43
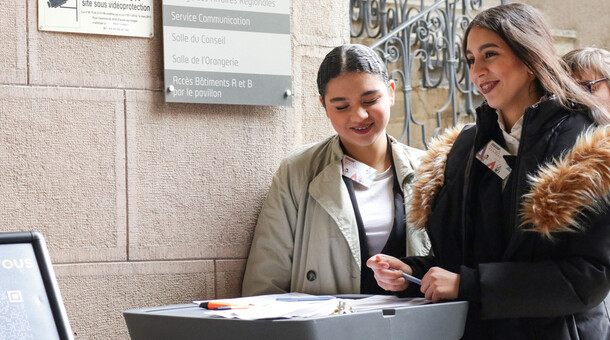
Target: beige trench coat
x,y
306,238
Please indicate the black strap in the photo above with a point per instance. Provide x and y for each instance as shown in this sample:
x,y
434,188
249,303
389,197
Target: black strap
x,y
396,243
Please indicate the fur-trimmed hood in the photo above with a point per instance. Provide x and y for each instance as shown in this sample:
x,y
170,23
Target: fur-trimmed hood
x,y
560,193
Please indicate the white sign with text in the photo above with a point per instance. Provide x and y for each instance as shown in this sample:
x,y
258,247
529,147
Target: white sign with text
x,y
227,51
133,18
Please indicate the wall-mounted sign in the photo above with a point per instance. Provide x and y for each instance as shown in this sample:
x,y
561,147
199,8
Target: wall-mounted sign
x,y
227,51
133,18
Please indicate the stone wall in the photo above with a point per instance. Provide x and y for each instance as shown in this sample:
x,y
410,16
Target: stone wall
x,y
142,202
587,19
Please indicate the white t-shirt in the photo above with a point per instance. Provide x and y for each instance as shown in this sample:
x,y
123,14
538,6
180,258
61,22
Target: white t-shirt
x,y
376,206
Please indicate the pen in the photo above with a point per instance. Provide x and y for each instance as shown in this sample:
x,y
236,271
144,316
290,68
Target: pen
x,y
230,307
305,298
408,277
218,305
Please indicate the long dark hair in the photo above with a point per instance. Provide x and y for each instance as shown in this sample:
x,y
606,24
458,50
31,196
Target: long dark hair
x,y
350,58
526,32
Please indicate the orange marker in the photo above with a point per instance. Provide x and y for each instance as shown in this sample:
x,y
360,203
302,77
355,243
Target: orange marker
x,y
219,305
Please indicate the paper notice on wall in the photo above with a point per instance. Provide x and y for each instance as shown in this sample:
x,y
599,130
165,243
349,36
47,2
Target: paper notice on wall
x,y
133,18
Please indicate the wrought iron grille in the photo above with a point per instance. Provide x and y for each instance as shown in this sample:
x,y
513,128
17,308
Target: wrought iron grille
x,y
420,43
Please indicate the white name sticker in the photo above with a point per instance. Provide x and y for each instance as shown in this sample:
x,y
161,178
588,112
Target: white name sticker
x,y
492,155
358,171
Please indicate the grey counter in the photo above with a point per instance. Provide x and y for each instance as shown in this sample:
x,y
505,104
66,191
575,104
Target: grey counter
x,y
188,322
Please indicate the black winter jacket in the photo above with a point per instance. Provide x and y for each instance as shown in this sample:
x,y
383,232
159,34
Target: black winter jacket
x,y
534,256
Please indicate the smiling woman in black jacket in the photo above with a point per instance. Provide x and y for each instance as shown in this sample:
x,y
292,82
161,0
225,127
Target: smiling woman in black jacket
x,y
517,207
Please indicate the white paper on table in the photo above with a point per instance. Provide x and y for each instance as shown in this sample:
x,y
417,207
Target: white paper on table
x,y
260,300
267,306
282,310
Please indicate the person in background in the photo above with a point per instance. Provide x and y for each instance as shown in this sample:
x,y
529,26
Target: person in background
x,y
524,234
590,66
334,203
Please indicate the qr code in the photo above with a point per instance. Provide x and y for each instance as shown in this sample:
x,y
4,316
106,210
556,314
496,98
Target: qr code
x,y
14,321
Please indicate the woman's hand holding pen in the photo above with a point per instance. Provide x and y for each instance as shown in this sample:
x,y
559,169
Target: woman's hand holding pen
x,y
437,285
440,285
388,279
